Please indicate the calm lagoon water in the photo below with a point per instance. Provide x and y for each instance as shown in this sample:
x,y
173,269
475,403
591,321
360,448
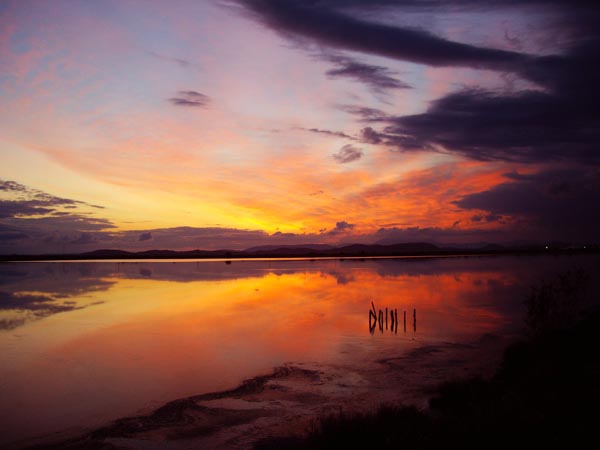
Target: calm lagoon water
x,y
85,343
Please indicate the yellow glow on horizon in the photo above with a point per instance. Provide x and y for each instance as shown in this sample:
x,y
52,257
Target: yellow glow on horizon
x,y
300,192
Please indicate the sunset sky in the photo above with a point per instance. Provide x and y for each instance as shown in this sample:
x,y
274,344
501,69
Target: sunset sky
x,y
234,123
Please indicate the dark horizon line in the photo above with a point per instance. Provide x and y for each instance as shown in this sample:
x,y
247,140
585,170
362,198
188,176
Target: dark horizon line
x,y
298,251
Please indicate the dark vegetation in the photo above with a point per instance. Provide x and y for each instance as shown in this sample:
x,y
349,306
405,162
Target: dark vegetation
x,y
557,304
545,394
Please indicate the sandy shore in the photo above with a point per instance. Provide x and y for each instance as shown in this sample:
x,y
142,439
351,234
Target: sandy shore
x,y
290,398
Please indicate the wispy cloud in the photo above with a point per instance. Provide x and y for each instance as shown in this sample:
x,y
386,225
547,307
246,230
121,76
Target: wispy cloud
x,y
337,134
179,61
20,201
364,113
377,78
191,99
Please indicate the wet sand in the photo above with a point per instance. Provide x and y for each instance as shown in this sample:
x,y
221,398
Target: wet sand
x,y
290,398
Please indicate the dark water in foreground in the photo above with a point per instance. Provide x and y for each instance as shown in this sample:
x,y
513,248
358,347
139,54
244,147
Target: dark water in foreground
x,y
84,343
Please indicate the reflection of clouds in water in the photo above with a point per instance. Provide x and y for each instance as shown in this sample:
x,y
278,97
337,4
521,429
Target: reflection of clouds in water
x,y
31,292
342,278
58,280
9,324
25,307
26,301
202,326
80,277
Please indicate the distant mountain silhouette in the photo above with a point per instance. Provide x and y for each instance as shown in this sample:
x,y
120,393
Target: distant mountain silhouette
x,y
159,254
309,251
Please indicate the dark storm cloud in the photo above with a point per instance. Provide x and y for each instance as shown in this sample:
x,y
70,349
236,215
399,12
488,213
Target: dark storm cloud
x,y
556,203
377,78
558,122
190,98
347,153
485,218
526,127
438,235
323,23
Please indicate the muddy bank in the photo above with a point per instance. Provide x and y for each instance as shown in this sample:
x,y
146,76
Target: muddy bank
x,y
545,394
290,398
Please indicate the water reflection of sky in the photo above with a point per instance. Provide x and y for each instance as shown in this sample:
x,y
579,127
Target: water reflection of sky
x,y
85,342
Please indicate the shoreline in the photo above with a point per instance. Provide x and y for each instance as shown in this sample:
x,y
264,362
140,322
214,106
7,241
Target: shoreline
x,y
544,394
304,255
289,400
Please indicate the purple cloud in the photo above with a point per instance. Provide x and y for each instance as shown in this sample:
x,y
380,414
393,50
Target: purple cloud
x,y
341,227
377,78
325,23
554,204
190,98
145,237
347,153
